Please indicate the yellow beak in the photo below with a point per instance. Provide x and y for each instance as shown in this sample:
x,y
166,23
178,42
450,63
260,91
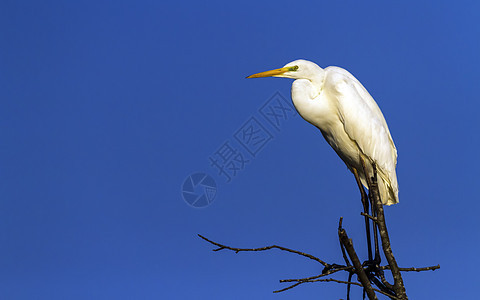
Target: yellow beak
x,y
270,73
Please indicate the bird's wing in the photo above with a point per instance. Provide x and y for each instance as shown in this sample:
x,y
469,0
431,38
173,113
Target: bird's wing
x,y
362,120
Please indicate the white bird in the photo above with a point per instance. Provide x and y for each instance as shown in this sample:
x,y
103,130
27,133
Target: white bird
x,y
350,120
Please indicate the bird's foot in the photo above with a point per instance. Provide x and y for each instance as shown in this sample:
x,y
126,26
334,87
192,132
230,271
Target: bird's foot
x,y
371,266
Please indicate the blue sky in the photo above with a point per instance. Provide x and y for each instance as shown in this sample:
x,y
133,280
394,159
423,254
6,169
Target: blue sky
x,y
107,107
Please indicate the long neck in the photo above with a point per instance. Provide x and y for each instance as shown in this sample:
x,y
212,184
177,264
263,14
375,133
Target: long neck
x,y
310,86
306,98
317,78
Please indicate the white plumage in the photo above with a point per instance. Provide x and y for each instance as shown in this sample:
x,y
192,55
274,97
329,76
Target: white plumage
x,y
348,117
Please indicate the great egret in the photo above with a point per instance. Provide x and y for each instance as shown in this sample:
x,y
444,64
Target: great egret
x,y
333,100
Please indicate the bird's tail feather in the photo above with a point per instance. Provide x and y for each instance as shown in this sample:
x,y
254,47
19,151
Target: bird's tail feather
x,y
388,194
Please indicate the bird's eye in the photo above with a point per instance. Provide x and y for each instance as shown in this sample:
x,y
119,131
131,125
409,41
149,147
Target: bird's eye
x,y
294,68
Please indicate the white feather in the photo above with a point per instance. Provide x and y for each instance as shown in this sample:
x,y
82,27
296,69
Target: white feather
x,y
348,117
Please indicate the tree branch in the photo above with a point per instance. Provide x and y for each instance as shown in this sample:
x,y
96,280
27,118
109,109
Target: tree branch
x,y
221,247
342,234
369,272
350,268
337,281
413,269
330,272
369,216
399,287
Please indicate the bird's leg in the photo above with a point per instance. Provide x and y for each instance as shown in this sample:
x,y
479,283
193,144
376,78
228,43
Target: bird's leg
x,y
365,210
377,259
374,264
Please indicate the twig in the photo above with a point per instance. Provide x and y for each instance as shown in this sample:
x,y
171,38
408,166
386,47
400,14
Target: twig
x,y
290,287
370,271
342,247
342,234
369,216
330,272
413,269
337,281
350,268
221,247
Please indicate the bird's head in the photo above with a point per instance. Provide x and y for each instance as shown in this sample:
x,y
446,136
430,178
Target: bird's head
x,y
297,69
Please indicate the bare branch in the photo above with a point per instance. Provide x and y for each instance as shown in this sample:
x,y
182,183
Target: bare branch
x,y
369,272
342,234
337,281
369,216
290,287
350,268
342,247
413,269
221,247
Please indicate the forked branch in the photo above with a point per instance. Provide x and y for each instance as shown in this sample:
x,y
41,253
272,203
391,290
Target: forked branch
x,y
369,272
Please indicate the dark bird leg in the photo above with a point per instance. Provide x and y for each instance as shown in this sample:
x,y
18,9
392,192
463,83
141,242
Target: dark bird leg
x,y
365,210
377,258
376,262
